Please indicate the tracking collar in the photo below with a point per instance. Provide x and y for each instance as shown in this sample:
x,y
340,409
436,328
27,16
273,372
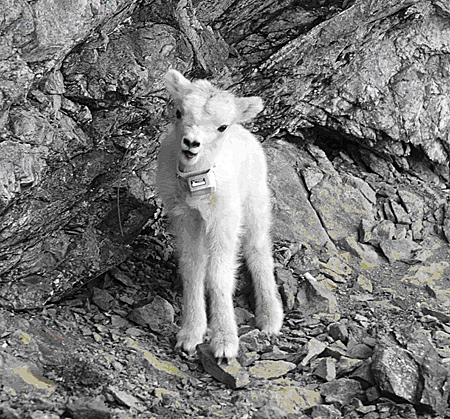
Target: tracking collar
x,y
200,182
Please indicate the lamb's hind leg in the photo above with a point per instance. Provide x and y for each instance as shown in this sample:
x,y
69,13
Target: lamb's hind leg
x,y
192,264
223,246
258,254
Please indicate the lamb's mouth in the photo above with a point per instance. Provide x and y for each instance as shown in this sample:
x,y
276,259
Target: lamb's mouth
x,y
189,154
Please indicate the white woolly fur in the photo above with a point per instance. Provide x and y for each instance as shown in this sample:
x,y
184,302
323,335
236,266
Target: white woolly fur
x,y
210,229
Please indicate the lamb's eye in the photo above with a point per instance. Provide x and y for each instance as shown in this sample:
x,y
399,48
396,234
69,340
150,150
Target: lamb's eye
x,y
178,114
222,128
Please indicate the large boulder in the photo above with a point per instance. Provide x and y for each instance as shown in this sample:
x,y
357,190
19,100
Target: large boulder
x,y
340,206
294,218
414,373
376,73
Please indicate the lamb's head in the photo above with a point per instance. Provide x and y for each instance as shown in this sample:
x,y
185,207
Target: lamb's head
x,y
204,116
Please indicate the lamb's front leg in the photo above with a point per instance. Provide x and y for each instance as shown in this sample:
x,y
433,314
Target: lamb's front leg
x,y
192,264
220,281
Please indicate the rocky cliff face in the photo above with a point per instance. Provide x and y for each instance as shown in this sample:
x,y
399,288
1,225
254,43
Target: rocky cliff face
x,y
356,100
355,130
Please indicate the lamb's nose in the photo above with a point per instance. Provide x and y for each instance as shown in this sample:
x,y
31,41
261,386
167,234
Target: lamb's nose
x,y
190,143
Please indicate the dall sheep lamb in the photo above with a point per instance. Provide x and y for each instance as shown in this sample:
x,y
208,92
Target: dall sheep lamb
x,y
212,178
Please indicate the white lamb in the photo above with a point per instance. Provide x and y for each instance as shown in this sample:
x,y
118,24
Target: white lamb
x,y
212,178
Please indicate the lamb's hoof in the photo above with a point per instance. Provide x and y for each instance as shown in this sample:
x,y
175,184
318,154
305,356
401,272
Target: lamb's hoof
x,y
188,342
224,347
270,322
221,360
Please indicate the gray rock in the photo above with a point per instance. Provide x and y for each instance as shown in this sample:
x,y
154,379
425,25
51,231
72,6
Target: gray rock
x,y
7,412
152,363
370,341
363,187
288,286
396,372
373,394
168,398
276,354
366,230
21,166
325,412
404,250
321,158
56,35
340,206
365,410
88,408
247,358
294,219
414,204
374,233
103,299
346,365
77,251
313,349
158,315
416,229
231,374
441,316
379,165
336,269
251,340
36,39
364,284
289,397
314,296
54,83
326,369
271,369
312,176
400,232
364,322
400,214
366,252
360,351
338,331
364,374
434,375
304,260
341,391
336,350
242,315
124,398
442,338
389,214
270,411
122,277
31,127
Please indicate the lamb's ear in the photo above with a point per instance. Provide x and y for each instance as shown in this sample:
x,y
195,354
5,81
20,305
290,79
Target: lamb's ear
x,y
176,83
249,107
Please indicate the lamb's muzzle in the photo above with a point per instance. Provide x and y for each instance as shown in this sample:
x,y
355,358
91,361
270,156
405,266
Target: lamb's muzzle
x,y
190,143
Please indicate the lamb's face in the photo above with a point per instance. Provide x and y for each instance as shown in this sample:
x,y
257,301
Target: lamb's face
x,y
204,115
202,121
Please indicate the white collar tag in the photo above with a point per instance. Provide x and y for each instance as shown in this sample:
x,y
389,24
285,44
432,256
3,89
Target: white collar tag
x,y
200,182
